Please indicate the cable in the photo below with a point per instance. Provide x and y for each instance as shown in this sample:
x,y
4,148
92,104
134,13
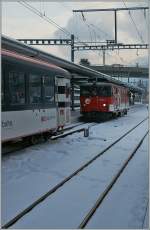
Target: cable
x,y
95,35
100,29
90,33
90,24
44,17
121,59
143,13
84,20
133,22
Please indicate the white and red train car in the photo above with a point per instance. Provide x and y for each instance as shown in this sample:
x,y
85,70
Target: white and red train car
x,y
35,97
103,100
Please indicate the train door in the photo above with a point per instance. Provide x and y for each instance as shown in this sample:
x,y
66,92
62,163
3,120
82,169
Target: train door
x,y
119,98
116,99
62,98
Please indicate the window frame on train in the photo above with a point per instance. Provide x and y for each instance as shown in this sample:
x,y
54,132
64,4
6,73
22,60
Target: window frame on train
x,y
27,70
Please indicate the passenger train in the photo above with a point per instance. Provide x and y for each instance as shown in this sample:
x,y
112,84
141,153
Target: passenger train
x,y
35,97
103,100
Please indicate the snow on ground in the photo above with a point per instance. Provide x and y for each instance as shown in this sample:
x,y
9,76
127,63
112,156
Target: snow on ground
x,y
125,206
29,173
78,195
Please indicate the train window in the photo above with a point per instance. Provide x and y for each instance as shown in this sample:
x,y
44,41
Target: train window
x,y
35,89
77,97
85,91
104,91
116,90
88,91
67,90
94,91
48,89
61,89
17,88
2,90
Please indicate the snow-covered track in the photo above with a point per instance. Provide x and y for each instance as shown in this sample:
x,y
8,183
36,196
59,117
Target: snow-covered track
x,y
110,185
59,185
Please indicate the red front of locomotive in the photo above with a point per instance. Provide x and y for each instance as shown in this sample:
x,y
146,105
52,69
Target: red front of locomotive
x,y
95,98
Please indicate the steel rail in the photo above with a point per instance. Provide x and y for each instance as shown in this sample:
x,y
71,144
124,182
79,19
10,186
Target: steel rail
x,y
110,185
60,184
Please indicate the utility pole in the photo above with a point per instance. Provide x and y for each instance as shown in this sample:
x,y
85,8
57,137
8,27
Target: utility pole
x,y
72,47
115,26
72,93
103,57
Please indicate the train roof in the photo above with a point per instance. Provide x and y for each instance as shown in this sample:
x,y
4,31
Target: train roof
x,y
98,84
88,73
13,44
9,55
130,87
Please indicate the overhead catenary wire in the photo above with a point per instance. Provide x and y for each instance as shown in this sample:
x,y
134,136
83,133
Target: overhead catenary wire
x,y
133,22
90,24
85,19
44,17
90,33
81,11
89,29
65,31
94,26
144,14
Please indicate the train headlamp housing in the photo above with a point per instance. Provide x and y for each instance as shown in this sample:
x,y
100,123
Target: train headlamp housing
x,y
104,105
87,101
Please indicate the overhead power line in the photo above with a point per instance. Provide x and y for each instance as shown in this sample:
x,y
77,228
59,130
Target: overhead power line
x,y
44,17
95,33
115,11
133,21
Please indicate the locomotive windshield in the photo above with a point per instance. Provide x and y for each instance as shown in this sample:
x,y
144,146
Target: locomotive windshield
x,y
99,90
104,91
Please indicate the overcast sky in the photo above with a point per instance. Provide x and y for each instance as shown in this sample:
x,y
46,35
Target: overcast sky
x,y
20,22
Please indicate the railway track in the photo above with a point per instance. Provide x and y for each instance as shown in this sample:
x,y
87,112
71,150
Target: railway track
x,y
59,185
109,186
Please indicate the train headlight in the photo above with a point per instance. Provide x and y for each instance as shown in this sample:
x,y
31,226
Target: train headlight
x,y
104,105
87,101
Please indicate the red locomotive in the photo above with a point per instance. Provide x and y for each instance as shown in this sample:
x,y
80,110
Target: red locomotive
x,y
103,100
